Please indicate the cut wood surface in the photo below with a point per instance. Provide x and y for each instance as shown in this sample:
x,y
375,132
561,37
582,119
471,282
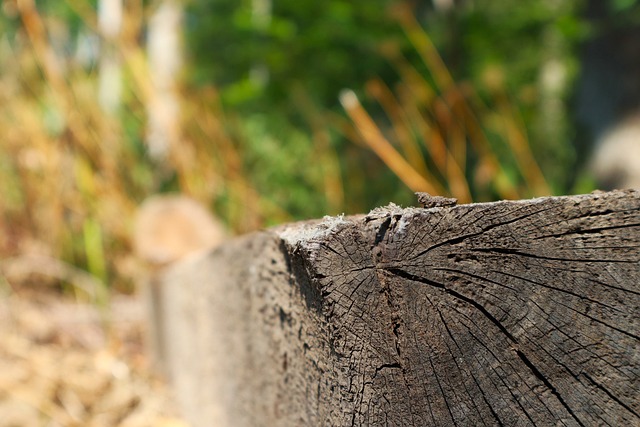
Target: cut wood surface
x,y
513,313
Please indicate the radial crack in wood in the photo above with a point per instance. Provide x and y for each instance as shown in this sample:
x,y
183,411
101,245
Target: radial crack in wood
x,y
507,313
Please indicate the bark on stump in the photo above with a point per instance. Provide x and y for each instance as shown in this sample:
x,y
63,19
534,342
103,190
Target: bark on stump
x,y
514,313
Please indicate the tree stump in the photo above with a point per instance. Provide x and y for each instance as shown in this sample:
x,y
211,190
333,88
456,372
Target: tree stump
x,y
513,313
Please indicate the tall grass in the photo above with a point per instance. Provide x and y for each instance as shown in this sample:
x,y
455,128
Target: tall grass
x,y
71,175
442,137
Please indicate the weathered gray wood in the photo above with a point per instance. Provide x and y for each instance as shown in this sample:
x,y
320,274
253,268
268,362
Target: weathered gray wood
x,y
507,313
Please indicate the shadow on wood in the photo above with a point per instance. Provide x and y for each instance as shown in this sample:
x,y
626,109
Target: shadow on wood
x,y
507,313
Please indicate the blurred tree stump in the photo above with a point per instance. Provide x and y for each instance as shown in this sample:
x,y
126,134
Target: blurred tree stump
x,y
507,313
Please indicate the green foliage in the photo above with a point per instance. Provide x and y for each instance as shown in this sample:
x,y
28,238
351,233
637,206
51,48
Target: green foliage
x,y
282,163
321,46
263,138
526,42
626,12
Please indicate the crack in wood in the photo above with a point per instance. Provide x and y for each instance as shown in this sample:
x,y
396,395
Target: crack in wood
x,y
516,252
527,362
611,395
405,275
509,313
548,384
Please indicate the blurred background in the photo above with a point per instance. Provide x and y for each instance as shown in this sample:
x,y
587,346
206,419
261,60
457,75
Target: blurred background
x,y
270,111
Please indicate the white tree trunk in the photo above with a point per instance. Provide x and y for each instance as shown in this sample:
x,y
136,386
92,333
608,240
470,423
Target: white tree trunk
x,y
165,61
110,75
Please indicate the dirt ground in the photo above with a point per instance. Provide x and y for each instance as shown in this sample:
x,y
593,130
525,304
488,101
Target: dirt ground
x,y
63,363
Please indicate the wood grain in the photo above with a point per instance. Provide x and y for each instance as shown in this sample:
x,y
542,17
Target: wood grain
x,y
507,313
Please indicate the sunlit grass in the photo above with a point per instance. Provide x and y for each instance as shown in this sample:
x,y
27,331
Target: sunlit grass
x,y
72,175
442,137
